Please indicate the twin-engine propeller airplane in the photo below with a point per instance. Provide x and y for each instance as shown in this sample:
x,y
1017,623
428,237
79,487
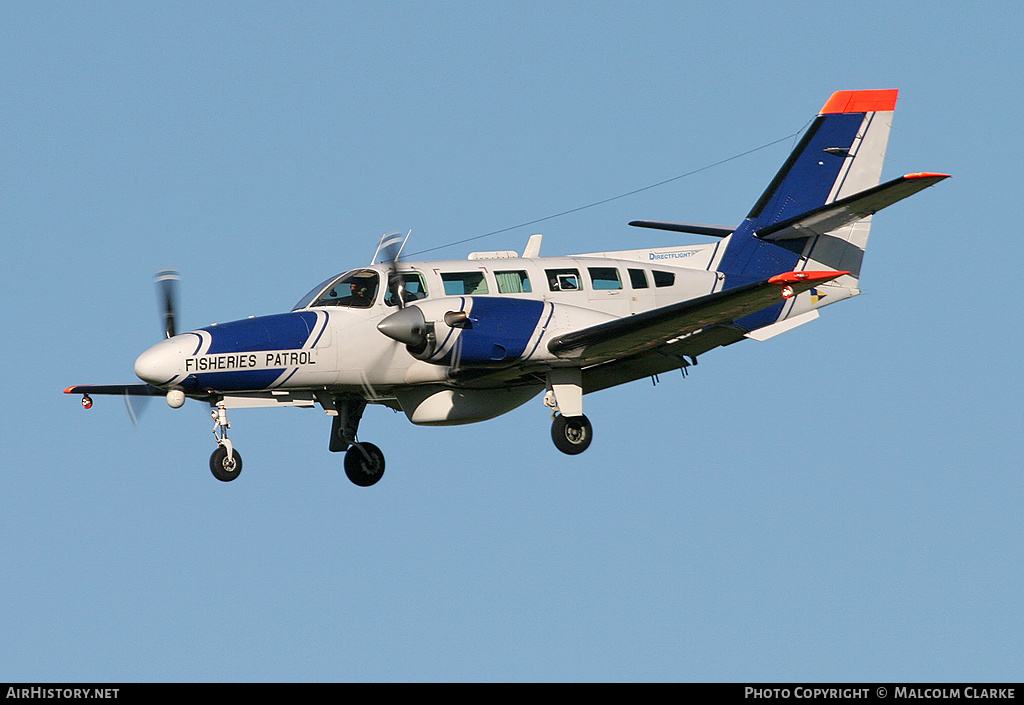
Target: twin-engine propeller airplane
x,y
455,342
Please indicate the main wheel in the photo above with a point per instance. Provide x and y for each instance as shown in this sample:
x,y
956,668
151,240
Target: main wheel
x,y
572,434
364,464
223,468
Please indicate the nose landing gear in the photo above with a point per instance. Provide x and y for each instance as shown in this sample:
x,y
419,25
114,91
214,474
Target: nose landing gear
x,y
225,463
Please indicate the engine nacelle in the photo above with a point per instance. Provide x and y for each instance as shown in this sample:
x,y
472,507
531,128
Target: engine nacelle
x,y
483,331
469,331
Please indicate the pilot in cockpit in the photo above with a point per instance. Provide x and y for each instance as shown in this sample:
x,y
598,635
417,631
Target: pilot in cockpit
x,y
360,293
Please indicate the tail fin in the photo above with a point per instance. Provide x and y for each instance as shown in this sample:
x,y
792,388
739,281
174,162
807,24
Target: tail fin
x,y
839,155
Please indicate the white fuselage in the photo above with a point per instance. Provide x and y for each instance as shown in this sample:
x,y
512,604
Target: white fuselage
x,y
330,344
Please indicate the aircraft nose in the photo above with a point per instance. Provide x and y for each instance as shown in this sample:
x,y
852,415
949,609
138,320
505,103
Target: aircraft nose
x,y
160,364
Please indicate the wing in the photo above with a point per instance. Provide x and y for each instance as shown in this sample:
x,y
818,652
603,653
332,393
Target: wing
x,y
634,335
131,390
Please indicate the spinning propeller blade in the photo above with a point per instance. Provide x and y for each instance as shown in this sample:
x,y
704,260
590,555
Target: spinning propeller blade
x,y
135,406
389,250
167,293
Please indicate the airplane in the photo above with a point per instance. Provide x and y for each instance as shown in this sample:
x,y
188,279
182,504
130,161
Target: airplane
x,y
461,341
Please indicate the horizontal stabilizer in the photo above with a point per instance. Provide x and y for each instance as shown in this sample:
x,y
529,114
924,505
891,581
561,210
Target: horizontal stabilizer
x,y
712,230
832,216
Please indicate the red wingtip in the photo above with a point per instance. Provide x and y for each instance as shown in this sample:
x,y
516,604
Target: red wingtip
x,y
70,390
926,175
796,277
860,101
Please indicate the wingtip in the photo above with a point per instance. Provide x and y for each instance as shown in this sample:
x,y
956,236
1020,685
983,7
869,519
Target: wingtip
x,y
797,277
927,175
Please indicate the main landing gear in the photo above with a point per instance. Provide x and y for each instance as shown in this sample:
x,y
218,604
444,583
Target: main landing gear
x,y
570,429
364,462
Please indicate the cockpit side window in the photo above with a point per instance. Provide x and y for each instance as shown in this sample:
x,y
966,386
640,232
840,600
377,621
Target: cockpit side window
x,y
411,285
355,290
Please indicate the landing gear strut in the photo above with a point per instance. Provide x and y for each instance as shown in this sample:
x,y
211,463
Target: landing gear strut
x,y
225,463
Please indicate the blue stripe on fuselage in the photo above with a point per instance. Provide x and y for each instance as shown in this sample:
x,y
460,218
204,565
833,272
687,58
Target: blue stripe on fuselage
x,y
239,380
283,331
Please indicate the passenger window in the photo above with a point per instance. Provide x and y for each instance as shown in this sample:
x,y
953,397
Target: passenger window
x,y
411,285
563,279
604,278
355,290
513,282
664,278
638,278
462,283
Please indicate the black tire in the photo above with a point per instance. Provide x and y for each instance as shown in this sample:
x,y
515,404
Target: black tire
x,y
221,468
364,464
572,434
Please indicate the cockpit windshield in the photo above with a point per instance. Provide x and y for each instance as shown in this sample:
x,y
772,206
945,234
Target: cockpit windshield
x,y
356,289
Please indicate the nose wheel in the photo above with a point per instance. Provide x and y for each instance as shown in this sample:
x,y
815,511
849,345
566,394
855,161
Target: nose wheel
x,y
224,466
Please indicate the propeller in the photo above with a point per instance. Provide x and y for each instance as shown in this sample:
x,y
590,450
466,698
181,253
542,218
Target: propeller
x,y
135,406
167,294
166,281
390,249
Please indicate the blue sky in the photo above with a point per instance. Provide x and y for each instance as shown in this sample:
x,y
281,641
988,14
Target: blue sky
x,y
838,503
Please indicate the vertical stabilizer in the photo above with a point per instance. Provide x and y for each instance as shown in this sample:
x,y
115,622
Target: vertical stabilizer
x,y
840,154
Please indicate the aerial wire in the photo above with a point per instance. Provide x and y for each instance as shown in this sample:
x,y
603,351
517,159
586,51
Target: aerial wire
x,y
616,198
